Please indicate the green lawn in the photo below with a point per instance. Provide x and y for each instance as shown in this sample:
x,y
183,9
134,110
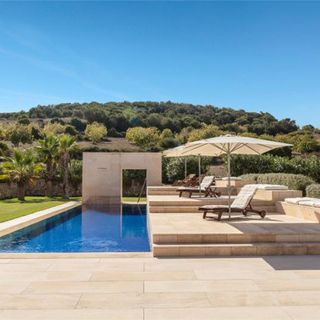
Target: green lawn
x,y
13,208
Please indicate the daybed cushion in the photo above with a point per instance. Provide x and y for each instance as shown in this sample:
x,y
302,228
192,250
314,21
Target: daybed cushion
x,y
314,203
272,186
298,199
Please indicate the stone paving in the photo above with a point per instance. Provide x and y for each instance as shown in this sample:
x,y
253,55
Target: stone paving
x,y
146,288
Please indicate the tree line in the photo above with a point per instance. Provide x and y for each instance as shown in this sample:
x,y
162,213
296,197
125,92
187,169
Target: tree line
x,y
151,125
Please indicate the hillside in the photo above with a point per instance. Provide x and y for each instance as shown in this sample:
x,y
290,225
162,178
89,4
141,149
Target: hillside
x,y
185,122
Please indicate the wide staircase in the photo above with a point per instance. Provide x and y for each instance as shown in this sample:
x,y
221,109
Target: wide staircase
x,y
277,236
235,245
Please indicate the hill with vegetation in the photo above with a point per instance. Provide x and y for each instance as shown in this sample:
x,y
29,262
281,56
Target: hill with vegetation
x,y
151,126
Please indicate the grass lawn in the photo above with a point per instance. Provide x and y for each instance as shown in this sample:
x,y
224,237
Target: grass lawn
x,y
133,199
13,208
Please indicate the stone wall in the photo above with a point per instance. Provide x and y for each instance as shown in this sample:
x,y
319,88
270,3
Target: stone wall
x,y
102,173
9,190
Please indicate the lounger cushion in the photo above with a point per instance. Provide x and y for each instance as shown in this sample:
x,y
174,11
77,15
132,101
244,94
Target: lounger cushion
x,y
217,207
231,178
190,189
244,197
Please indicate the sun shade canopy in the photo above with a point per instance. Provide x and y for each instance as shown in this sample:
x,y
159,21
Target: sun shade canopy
x,y
228,144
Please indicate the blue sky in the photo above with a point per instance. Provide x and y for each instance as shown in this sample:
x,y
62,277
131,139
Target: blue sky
x,y
257,56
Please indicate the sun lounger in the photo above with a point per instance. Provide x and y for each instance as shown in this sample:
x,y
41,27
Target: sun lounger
x,y
205,187
190,180
241,203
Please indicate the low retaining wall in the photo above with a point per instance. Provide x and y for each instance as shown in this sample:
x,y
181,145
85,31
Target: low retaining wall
x,y
299,211
9,190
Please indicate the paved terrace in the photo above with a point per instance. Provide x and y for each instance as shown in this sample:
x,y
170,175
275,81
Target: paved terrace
x,y
146,288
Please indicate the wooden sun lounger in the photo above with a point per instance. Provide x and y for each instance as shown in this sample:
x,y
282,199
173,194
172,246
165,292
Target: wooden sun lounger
x,y
206,187
190,180
242,204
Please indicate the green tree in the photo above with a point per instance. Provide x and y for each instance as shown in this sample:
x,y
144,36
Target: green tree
x,y
53,128
143,137
166,133
22,168
19,133
78,124
95,132
48,150
208,131
305,143
67,145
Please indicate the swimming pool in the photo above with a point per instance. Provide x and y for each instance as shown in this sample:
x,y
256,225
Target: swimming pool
x,y
120,228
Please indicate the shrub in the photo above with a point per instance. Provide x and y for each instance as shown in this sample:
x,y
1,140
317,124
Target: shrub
x,y
95,132
71,130
243,164
293,181
75,169
173,168
250,177
143,137
53,128
19,133
313,190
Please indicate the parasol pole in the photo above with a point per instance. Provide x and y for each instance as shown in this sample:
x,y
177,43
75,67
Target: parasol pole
x,y
199,171
229,182
185,167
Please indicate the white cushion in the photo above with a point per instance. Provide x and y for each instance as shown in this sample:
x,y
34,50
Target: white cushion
x,y
314,203
231,178
244,196
298,199
206,182
272,186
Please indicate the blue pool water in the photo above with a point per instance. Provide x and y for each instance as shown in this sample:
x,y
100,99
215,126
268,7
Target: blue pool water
x,y
99,229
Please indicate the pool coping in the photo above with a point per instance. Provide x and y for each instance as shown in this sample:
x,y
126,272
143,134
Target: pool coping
x,y
75,255
27,220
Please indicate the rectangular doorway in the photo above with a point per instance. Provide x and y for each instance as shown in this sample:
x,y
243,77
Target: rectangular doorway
x,y
134,186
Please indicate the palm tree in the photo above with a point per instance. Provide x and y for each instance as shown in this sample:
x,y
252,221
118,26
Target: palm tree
x,y
21,168
67,144
48,150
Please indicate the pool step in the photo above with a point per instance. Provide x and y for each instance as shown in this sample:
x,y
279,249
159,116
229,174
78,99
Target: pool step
x,y
248,249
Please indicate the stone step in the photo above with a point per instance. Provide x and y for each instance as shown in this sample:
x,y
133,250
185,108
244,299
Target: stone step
x,y
188,202
253,249
233,238
194,209
173,192
173,209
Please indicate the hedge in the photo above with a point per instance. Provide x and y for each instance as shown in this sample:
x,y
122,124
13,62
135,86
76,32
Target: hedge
x,y
313,190
242,164
173,168
293,181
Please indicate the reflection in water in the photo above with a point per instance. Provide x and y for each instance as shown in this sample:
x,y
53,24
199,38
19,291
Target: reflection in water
x,y
86,229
